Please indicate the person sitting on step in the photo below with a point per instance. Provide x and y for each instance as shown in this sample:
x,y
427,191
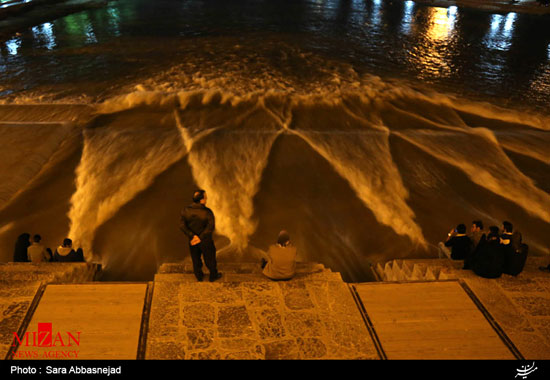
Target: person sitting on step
x,y
281,259
66,253
459,243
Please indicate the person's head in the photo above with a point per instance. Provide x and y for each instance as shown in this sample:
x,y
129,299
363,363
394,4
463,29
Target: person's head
x,y
199,196
36,238
494,230
461,228
284,238
507,226
24,236
67,243
477,225
24,239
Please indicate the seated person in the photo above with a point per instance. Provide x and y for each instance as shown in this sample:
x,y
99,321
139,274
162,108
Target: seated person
x,y
281,259
459,243
37,252
20,254
515,252
66,253
489,260
476,236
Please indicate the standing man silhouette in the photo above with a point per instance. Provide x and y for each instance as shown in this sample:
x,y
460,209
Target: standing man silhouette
x,y
197,222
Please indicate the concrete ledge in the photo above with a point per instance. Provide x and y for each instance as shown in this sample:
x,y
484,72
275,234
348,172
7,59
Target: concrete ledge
x,y
47,273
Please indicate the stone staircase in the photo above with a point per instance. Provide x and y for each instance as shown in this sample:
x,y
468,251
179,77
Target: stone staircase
x,y
244,315
418,270
243,272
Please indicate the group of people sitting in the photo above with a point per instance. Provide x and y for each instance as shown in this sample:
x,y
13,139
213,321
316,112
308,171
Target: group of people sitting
x,y
490,254
35,252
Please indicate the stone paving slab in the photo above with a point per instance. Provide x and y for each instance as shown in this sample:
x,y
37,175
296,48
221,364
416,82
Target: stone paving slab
x,y
15,300
296,319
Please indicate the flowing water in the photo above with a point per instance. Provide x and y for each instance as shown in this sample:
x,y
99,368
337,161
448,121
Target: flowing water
x,y
367,129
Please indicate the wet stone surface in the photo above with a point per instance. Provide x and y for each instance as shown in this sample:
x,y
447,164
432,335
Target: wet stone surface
x,y
298,319
535,306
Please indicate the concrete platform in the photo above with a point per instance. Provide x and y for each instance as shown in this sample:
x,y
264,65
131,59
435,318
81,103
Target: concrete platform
x,y
108,317
430,320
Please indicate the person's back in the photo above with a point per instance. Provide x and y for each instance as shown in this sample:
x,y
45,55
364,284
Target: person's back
x,y
197,219
477,238
515,252
20,254
37,252
65,253
281,263
489,261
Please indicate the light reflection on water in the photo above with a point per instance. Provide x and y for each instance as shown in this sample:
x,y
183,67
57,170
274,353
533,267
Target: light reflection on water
x,y
376,15
44,34
501,32
442,24
13,46
407,17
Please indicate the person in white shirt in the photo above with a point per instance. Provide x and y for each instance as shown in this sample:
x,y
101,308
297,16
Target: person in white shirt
x,y
37,252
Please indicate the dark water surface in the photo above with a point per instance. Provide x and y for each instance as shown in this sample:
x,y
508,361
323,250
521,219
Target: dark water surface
x,y
367,129
504,58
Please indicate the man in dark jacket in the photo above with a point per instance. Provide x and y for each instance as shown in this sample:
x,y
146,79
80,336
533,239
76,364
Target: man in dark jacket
x,y
477,237
490,258
460,243
197,222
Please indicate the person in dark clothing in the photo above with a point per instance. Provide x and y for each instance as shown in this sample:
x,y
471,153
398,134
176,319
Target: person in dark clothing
x,y
65,253
515,252
460,243
477,237
198,223
20,254
489,260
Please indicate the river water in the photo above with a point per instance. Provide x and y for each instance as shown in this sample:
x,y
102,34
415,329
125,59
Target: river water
x,y
367,129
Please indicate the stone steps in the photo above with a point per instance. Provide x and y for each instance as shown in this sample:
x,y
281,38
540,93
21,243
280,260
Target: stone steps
x,y
241,268
442,269
417,270
248,316
246,277
48,273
